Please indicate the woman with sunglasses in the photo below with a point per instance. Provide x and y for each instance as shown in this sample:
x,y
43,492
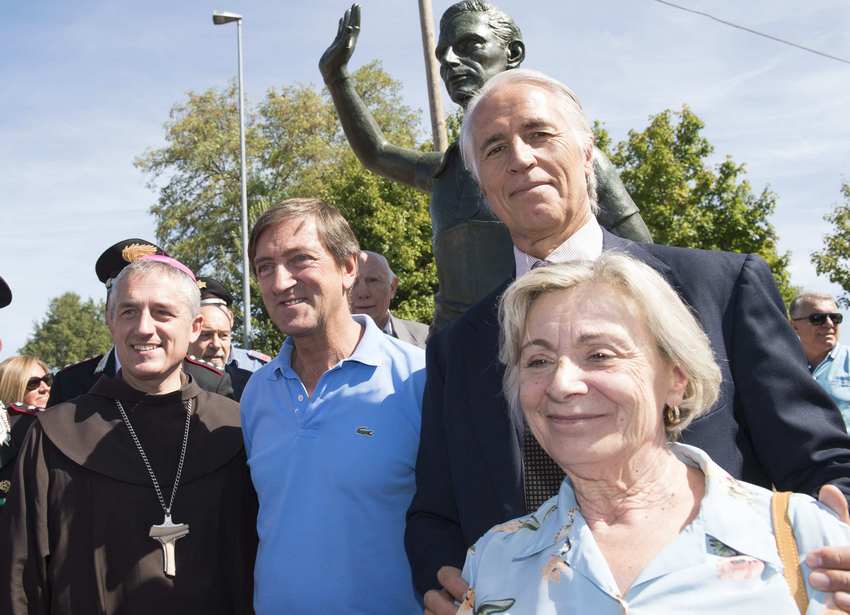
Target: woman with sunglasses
x,y
26,380
24,390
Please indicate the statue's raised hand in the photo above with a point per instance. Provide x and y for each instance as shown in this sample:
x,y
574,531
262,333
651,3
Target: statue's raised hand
x,y
335,59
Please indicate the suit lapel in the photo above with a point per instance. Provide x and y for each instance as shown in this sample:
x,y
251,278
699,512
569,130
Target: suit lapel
x,y
400,330
642,252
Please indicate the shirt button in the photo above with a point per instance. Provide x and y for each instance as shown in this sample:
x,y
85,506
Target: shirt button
x,y
300,398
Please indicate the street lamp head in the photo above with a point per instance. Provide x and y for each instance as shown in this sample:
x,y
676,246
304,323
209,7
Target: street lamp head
x,y
223,17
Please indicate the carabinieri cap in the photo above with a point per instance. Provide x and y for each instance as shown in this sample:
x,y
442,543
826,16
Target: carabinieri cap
x,y
118,256
214,292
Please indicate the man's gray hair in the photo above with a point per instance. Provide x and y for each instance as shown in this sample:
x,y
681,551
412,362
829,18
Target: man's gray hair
x,y
675,330
502,25
166,275
808,298
382,260
568,103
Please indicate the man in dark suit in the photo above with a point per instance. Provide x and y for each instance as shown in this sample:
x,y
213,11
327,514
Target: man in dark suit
x,y
76,379
372,293
527,143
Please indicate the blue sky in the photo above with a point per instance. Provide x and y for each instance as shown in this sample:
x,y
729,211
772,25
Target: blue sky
x,y
88,86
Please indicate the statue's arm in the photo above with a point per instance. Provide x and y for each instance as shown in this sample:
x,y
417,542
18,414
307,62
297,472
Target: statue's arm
x,y
617,211
404,165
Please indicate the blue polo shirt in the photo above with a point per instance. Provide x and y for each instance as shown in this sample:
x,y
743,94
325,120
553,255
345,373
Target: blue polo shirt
x,y
833,374
334,473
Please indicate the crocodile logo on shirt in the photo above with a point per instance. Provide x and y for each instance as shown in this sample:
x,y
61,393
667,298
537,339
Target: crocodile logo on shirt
x,y
365,431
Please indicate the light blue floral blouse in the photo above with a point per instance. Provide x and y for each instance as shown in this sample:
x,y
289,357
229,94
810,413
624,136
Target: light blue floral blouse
x,y
724,561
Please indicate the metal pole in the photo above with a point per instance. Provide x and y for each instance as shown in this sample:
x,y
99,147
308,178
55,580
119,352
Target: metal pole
x,y
246,279
435,101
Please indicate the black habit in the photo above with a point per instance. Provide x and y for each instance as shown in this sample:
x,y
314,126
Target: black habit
x,y
20,417
75,537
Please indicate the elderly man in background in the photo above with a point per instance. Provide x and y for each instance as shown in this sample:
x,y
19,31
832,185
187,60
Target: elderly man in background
x,y
135,497
331,428
815,318
526,141
215,343
373,291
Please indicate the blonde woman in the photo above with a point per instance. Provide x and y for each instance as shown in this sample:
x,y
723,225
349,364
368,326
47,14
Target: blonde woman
x,y
26,380
24,390
607,366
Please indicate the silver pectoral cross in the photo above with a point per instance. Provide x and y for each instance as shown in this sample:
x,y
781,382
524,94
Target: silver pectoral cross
x,y
167,533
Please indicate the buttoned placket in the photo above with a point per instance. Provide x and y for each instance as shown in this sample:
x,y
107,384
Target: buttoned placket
x,y
302,402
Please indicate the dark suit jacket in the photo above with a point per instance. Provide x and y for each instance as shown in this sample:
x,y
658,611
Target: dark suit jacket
x,y
771,425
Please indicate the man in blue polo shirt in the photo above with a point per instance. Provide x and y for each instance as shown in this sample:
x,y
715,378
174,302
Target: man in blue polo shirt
x,y
331,427
815,318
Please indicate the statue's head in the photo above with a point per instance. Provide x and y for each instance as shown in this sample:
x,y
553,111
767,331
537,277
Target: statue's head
x,y
477,41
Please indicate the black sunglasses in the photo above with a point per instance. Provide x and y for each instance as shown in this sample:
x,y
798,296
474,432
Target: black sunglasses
x,y
819,318
33,383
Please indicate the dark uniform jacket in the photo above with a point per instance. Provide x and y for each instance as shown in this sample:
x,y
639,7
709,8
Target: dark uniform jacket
x,y
772,424
75,538
20,417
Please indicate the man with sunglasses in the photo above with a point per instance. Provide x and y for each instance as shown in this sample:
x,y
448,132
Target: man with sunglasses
x,y
815,318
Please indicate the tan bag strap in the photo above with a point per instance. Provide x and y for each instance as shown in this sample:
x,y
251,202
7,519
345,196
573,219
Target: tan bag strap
x,y
787,546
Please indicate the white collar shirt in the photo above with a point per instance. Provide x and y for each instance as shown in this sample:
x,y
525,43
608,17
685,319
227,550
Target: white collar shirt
x,y
584,244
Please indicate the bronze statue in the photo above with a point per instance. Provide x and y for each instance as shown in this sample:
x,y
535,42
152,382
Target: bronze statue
x,y
473,250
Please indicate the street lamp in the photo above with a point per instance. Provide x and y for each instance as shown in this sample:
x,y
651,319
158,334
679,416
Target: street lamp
x,y
220,18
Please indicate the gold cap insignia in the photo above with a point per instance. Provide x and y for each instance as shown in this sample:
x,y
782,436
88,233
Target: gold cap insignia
x,y
135,251
201,284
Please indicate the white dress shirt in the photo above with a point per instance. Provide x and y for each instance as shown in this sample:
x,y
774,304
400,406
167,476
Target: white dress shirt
x,y
585,245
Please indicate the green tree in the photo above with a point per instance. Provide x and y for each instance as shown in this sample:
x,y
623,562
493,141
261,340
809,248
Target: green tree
x,y
72,330
688,202
295,147
832,260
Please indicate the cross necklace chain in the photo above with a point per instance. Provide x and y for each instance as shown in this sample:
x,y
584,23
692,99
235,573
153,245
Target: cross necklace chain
x,y
166,533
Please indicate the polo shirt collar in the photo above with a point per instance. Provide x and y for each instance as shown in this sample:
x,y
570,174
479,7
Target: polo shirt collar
x,y
584,244
367,351
830,356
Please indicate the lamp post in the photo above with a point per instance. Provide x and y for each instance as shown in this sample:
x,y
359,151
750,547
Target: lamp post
x,y
220,18
435,102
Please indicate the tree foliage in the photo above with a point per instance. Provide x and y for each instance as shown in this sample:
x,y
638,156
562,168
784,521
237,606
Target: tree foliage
x,y
832,260
685,201
72,330
295,147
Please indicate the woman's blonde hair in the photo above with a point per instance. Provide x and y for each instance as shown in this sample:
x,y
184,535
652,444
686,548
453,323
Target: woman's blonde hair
x,y
14,373
678,335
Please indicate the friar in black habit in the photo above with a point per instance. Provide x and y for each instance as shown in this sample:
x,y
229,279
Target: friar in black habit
x,y
135,497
